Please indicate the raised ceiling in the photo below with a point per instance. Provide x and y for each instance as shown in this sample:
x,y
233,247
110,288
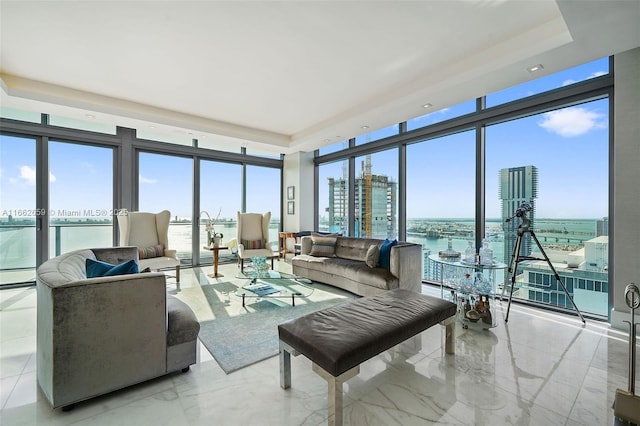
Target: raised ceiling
x,y
294,75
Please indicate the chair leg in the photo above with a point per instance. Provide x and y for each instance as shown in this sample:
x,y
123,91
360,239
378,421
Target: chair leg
x,y
178,277
241,265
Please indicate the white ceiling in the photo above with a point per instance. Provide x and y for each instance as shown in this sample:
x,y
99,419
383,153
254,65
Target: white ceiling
x,y
288,76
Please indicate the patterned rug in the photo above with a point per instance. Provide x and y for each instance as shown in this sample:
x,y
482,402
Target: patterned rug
x,y
238,337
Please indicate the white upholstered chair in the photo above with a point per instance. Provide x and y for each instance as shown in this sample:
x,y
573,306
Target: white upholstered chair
x,y
149,232
253,237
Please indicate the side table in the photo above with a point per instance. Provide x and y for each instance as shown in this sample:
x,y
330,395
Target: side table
x,y
470,285
216,256
282,243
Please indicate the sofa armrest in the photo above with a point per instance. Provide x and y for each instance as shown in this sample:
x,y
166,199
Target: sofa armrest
x,y
406,265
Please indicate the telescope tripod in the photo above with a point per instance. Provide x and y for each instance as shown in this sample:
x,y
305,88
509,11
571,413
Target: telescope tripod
x,y
525,228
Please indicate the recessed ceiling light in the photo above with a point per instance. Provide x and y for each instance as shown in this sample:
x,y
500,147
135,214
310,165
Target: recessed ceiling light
x,y
327,140
365,127
90,116
535,68
427,106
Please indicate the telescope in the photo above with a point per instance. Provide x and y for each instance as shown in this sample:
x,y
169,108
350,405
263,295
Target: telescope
x,y
521,211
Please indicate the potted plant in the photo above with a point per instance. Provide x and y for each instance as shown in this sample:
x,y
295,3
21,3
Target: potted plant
x,y
213,238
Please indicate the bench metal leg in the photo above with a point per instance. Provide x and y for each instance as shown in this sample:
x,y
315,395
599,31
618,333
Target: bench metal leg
x,y
334,398
285,364
450,335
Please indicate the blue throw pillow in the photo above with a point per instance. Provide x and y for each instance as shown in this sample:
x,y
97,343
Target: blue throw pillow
x,y
385,253
96,268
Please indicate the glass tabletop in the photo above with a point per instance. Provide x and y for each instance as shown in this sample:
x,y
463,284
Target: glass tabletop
x,y
272,284
251,274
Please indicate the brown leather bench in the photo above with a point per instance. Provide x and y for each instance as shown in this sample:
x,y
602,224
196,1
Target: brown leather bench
x,y
338,339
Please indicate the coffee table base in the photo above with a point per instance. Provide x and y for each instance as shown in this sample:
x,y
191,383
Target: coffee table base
x,y
293,299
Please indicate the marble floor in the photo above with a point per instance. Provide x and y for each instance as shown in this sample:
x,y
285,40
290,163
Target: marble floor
x,y
539,369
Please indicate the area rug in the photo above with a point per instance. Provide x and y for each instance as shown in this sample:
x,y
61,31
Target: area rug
x,y
238,337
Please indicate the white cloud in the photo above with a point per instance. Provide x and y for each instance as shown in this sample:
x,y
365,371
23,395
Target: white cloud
x,y
143,179
570,122
28,176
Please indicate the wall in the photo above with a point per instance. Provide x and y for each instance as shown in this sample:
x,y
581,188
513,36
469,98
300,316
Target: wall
x,y
626,182
298,172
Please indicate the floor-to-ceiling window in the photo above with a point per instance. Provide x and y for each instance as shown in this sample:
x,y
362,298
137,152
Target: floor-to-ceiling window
x,y
461,187
441,195
85,188
333,197
557,162
263,192
80,197
18,213
221,199
165,183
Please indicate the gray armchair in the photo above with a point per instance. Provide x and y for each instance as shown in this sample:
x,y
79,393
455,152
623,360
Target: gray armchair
x,y
97,335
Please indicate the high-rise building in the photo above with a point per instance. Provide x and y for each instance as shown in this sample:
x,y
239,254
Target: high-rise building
x,y
602,227
375,203
517,185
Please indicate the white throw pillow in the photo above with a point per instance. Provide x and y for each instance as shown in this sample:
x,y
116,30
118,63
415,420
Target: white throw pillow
x,y
373,254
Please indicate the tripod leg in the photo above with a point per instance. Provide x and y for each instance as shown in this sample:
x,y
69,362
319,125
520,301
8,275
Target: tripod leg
x,y
514,271
514,256
555,273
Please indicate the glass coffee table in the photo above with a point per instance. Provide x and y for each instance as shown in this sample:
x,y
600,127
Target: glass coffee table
x,y
272,284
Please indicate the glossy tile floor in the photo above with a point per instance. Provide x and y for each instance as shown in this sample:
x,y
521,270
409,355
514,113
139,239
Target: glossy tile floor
x,y
539,369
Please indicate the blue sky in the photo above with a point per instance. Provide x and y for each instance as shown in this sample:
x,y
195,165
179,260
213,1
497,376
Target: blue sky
x,y
568,146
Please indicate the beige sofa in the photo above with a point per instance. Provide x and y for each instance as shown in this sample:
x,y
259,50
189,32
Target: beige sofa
x,y
97,335
348,270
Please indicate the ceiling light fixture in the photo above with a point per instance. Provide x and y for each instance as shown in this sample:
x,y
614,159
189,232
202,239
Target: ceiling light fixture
x,y
535,68
427,106
364,127
90,116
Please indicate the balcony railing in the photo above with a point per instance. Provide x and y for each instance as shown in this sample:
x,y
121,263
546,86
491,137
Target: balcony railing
x,y
18,244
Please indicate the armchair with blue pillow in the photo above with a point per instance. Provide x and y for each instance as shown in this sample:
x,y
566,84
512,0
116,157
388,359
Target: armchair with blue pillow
x,y
102,325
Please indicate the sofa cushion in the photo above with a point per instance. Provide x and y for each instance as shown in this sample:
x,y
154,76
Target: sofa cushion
x,y
373,254
385,253
323,246
151,251
354,248
182,324
96,268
